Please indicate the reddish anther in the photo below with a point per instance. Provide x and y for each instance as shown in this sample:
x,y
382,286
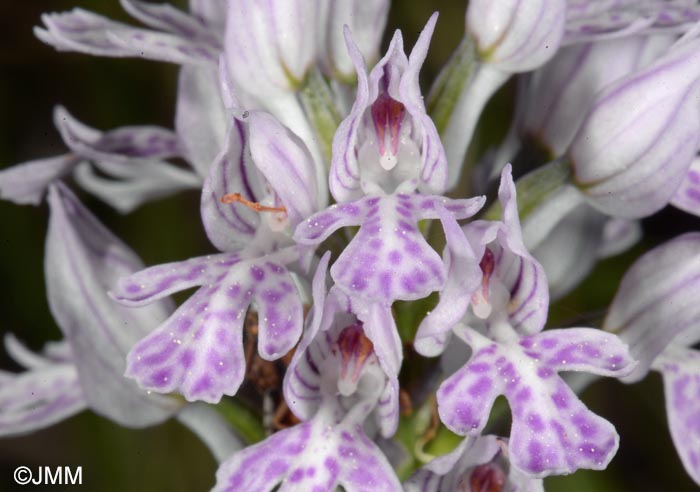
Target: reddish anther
x,y
237,197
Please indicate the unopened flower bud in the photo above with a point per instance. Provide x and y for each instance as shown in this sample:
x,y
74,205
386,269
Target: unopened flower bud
x,y
516,36
638,140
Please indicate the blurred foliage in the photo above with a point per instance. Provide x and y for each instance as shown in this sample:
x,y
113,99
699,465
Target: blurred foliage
x,y
106,93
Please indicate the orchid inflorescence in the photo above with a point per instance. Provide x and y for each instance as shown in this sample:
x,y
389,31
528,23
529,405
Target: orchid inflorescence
x,y
324,175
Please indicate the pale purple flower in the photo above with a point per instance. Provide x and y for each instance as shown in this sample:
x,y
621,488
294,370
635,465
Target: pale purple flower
x,y
334,383
134,158
198,350
489,269
334,328
85,370
388,143
477,464
385,151
656,312
552,432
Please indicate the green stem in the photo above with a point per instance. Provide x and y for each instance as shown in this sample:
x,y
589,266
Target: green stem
x,y
317,100
536,188
450,83
245,422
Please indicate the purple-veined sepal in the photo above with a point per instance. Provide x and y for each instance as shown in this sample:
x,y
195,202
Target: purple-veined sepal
x,y
591,20
46,393
266,164
490,270
83,260
85,32
656,304
335,383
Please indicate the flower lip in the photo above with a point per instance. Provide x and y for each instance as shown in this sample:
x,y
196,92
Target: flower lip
x,y
387,114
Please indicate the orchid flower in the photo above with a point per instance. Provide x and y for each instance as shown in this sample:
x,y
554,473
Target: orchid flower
x,y
552,432
478,464
133,157
258,190
333,383
656,312
83,259
387,158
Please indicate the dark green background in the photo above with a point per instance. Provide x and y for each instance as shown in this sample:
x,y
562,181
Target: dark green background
x,y
106,93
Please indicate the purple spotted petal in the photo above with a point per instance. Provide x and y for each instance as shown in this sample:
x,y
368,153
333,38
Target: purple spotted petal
x,y
463,278
687,197
200,121
85,32
39,398
580,349
590,20
198,350
552,432
388,259
285,162
315,456
681,373
83,259
26,183
230,226
656,301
